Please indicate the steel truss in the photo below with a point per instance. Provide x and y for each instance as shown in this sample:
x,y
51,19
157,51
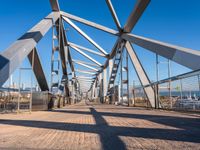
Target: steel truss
x,y
94,80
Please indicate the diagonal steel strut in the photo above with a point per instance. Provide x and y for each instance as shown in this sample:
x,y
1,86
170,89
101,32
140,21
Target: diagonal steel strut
x,y
14,55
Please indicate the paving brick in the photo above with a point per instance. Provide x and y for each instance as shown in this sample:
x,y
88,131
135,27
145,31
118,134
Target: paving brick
x,y
94,126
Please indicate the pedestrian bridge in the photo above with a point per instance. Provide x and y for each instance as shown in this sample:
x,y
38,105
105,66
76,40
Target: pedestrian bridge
x,y
93,101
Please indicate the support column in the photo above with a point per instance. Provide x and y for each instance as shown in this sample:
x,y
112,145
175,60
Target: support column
x,y
101,87
104,83
92,92
96,90
119,92
73,88
110,66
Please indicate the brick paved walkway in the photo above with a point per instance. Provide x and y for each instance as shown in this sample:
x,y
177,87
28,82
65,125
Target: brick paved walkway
x,y
88,126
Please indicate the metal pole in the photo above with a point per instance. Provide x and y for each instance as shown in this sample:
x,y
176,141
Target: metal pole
x,y
133,102
119,92
198,76
157,78
181,88
127,78
18,100
73,91
121,77
169,75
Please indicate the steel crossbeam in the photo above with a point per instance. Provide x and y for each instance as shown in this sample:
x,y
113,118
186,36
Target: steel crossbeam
x,y
13,56
96,79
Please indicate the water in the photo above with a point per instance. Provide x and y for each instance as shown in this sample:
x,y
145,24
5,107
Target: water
x,y
178,93
173,93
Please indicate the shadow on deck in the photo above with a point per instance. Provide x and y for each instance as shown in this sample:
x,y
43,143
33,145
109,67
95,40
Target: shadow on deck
x,y
188,128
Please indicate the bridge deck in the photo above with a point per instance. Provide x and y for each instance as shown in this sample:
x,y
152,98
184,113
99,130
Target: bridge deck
x,y
88,126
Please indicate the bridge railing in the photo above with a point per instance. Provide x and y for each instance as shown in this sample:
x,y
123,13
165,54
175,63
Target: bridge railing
x,y
180,92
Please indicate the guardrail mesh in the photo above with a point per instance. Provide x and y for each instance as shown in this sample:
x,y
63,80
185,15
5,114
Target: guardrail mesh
x,y
177,93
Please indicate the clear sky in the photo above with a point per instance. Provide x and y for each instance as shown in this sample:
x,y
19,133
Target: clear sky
x,y
172,21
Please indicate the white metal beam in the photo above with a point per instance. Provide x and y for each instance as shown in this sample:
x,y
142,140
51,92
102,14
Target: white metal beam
x,y
105,81
91,80
14,55
135,14
87,56
35,62
54,5
86,72
85,83
144,80
114,15
83,77
84,62
89,23
92,71
183,56
86,66
85,35
86,49
132,20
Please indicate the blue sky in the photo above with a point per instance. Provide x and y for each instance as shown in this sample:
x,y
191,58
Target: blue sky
x,y
172,21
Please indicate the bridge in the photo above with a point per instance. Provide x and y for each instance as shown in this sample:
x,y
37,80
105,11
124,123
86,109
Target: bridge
x,y
92,100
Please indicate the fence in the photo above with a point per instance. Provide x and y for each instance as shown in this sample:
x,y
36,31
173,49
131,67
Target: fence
x,y
181,92
13,101
15,98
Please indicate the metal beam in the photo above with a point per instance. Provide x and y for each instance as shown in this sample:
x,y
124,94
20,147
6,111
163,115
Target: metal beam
x,y
113,52
85,85
135,14
132,20
89,23
114,15
110,67
183,56
85,81
105,82
87,56
87,66
38,70
92,71
83,77
85,35
144,80
84,62
68,52
54,5
86,72
62,44
13,56
84,89
93,89
80,79
64,51
86,49
60,31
